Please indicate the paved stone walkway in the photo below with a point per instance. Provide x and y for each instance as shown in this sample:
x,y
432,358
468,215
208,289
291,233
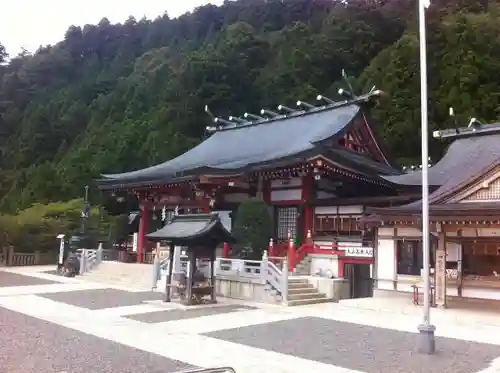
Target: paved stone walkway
x,y
55,324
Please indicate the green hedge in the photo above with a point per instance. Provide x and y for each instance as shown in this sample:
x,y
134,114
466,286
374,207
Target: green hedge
x,y
36,227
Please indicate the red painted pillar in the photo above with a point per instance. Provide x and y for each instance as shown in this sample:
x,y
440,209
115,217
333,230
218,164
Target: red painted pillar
x,y
341,267
309,239
307,186
270,249
205,205
225,250
143,230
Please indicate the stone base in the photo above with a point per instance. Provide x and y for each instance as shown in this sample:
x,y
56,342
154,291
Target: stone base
x,y
427,342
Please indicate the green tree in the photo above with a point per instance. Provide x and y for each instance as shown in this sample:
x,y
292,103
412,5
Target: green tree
x,y
3,54
253,228
115,97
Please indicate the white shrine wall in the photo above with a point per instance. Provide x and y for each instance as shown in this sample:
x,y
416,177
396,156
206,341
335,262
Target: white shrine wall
x,y
387,278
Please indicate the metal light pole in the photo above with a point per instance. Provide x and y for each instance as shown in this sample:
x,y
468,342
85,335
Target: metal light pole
x,y
426,329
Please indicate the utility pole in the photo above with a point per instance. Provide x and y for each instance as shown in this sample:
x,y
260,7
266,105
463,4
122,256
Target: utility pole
x,y
426,329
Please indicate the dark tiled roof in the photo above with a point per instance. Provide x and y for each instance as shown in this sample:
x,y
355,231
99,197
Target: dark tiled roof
x,y
464,160
360,163
465,208
243,147
448,211
192,228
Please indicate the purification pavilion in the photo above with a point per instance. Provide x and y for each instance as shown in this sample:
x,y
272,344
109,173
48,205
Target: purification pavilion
x,y
199,234
317,167
464,222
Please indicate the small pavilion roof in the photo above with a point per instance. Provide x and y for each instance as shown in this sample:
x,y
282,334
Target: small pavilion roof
x,y
193,229
252,146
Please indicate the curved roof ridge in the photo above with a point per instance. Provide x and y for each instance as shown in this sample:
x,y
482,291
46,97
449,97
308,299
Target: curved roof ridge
x,y
295,114
251,144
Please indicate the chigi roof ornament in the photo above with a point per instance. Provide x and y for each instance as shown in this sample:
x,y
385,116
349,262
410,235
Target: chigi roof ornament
x,y
270,113
238,120
286,111
221,121
305,104
253,116
474,127
324,98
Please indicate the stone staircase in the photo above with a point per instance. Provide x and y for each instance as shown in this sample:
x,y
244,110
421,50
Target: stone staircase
x,y
127,275
303,268
300,292
139,277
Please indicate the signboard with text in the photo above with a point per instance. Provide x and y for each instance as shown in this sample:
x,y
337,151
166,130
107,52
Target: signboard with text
x,y
360,252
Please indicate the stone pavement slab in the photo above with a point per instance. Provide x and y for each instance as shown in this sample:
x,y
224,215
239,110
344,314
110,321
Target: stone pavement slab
x,y
8,279
96,299
361,348
183,314
30,345
191,348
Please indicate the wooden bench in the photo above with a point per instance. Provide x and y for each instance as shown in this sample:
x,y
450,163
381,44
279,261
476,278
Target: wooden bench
x,y
416,291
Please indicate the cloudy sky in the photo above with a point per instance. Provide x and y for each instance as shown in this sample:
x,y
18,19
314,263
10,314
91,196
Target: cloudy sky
x,y
31,23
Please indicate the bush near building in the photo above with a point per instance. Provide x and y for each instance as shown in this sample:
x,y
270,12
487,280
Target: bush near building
x,y
36,228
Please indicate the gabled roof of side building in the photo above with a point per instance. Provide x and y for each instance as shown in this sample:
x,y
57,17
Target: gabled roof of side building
x,y
466,160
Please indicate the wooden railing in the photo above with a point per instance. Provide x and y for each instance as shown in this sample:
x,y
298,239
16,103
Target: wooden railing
x,y
148,258
12,258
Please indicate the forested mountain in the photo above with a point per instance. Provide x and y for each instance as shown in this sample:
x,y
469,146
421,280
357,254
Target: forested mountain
x,y
111,98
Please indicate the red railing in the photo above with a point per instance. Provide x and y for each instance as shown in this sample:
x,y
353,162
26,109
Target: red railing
x,y
279,250
299,254
296,255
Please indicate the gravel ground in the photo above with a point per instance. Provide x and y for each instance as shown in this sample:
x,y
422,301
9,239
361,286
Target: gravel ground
x,y
30,345
102,298
360,347
181,314
14,279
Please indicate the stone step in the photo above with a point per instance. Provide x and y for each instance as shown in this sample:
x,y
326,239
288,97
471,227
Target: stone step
x,y
299,296
297,281
303,302
300,286
308,290
301,272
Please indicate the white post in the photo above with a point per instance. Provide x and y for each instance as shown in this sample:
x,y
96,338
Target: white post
x,y
284,282
135,241
177,268
426,330
99,253
263,267
61,249
156,268
83,262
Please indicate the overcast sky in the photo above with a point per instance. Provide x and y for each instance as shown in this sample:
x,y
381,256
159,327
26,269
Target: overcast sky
x,y
31,23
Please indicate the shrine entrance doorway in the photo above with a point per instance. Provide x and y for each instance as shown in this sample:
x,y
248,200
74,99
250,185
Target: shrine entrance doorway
x,y
359,278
